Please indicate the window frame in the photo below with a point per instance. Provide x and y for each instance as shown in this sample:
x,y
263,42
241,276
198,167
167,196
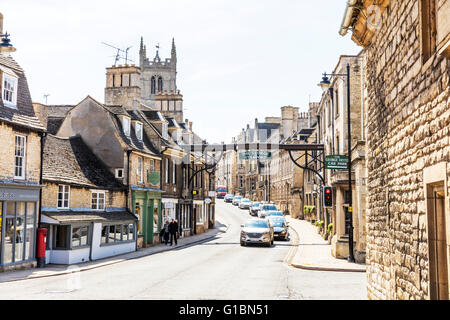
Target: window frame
x,y
23,158
140,169
88,241
174,172
140,137
6,77
126,128
98,192
63,198
166,170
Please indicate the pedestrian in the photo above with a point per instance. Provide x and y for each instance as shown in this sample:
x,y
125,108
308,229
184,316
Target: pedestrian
x,y
166,233
173,229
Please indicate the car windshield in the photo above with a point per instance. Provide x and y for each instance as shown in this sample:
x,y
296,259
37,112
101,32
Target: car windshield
x,y
238,197
269,207
256,204
275,213
245,200
257,224
277,221
221,190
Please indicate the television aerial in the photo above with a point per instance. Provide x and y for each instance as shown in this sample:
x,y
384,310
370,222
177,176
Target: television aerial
x,y
118,55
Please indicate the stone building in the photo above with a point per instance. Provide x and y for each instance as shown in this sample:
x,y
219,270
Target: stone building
x,y
21,134
333,134
84,206
407,49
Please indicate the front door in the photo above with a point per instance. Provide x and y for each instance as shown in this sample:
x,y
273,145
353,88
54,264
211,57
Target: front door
x,y
437,243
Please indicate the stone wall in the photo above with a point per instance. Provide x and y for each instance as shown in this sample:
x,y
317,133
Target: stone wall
x,y
408,131
81,197
7,152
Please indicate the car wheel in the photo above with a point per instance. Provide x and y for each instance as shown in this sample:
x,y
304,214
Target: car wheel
x,y
242,244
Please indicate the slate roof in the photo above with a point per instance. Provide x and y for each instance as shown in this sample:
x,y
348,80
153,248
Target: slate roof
x,y
68,217
58,111
24,114
70,161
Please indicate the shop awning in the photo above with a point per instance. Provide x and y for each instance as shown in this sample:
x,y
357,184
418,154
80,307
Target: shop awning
x,y
70,217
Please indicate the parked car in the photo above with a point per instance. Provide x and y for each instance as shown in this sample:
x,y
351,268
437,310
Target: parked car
x,y
236,200
229,198
254,208
257,231
244,203
280,227
265,208
274,213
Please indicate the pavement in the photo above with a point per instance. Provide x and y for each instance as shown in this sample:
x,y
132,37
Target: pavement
x,y
310,251
314,253
51,270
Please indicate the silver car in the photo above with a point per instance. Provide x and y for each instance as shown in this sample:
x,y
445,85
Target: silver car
x,y
236,200
265,208
244,204
258,231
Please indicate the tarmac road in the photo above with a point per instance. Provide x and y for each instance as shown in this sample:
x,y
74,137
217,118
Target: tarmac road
x,y
216,269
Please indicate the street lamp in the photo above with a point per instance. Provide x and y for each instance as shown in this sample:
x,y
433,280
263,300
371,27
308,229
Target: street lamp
x,y
325,84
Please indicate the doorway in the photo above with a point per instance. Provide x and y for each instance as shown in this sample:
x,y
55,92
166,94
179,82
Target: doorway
x,y
437,242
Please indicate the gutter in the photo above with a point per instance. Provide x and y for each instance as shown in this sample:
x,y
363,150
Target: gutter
x,y
347,19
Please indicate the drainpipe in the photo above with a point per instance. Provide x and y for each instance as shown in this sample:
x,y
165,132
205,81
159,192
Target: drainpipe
x,y
43,135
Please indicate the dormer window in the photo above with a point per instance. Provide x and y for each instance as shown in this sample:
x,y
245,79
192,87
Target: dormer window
x,y
126,126
165,131
138,129
9,92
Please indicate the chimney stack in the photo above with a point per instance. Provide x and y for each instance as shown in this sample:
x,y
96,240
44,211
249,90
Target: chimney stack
x,y
190,125
1,23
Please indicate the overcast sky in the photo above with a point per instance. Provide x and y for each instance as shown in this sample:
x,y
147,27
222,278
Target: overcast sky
x,y
237,59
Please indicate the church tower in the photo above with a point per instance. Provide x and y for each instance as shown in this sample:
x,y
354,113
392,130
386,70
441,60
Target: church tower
x,y
159,82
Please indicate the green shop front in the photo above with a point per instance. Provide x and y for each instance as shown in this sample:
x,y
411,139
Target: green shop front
x,y
146,204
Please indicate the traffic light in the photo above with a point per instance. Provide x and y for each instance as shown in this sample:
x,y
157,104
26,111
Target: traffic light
x,y
327,197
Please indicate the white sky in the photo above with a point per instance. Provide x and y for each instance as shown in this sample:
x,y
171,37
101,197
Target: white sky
x,y
237,59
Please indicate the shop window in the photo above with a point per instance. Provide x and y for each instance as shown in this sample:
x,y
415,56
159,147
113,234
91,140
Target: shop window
x,y
138,212
63,196
61,237
80,236
155,218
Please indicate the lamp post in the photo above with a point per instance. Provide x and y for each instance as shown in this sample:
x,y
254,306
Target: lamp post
x,y
325,84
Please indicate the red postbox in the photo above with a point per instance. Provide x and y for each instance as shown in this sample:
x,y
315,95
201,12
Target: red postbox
x,y
41,245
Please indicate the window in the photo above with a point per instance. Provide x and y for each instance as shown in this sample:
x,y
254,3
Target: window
x,y
60,240
155,218
126,126
429,29
80,236
119,173
140,170
98,200
63,197
19,162
174,172
166,170
336,94
152,165
9,91
138,129
165,131
153,85
160,84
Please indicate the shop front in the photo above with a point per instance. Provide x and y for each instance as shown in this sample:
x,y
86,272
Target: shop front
x,y
169,212
146,204
18,223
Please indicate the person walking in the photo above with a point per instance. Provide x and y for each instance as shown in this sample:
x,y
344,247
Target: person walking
x,y
166,232
173,229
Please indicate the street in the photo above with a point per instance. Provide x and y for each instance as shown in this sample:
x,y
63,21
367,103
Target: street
x,y
216,269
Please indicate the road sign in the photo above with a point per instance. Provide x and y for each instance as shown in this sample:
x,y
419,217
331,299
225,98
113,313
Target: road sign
x,y
207,200
255,155
336,162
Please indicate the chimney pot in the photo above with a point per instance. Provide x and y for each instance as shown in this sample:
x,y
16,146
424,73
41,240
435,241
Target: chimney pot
x,y
190,126
1,23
